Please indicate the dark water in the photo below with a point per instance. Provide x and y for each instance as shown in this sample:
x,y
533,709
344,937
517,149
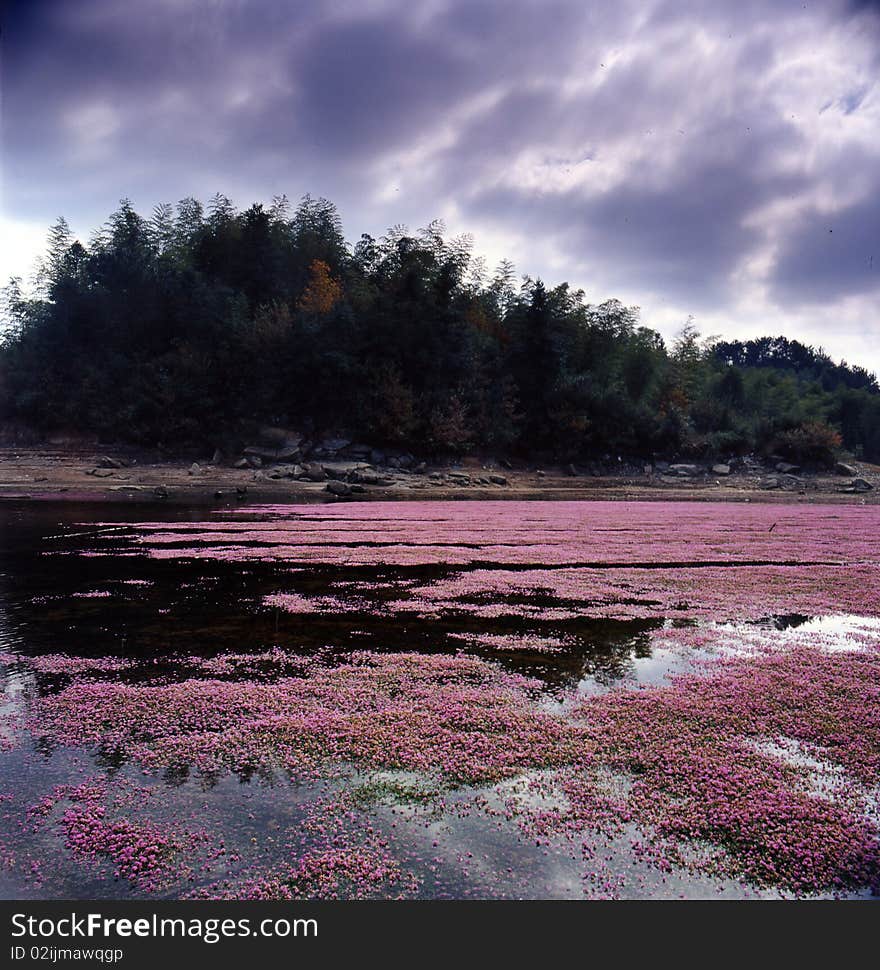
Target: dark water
x,y
213,606
208,608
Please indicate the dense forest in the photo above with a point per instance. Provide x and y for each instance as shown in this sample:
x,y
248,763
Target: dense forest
x,y
195,325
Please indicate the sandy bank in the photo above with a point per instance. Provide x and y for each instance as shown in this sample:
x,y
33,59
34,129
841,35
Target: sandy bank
x,y
46,474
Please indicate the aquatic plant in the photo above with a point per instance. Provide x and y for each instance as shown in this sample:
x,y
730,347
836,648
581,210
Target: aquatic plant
x,y
755,760
455,716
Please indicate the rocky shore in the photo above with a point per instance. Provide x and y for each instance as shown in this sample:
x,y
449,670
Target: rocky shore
x,y
283,466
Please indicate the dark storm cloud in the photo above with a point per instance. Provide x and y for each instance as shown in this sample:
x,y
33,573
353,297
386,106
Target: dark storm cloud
x,y
684,237
830,255
679,214
372,84
687,150
365,87
858,6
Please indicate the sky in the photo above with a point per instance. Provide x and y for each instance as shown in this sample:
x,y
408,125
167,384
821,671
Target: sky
x,y
710,159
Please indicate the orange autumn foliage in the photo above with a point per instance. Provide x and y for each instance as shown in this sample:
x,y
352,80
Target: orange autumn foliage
x,y
323,291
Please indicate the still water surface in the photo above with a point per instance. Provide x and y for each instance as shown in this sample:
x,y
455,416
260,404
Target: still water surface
x,y
580,598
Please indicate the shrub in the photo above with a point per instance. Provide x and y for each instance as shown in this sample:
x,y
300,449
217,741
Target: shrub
x,y
812,442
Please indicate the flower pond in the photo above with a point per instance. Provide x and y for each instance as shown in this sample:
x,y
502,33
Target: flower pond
x,y
440,700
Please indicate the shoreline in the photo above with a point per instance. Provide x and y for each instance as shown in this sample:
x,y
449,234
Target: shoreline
x,y
61,475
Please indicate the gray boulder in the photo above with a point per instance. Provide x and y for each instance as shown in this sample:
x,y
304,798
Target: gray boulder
x,y
338,488
721,469
280,440
284,471
791,482
360,451
330,446
364,476
287,451
343,469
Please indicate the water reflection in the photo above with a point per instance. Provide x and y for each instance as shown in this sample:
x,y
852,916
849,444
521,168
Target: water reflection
x,y
138,620
122,605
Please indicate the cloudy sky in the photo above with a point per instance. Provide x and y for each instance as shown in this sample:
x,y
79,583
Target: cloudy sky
x,y
711,158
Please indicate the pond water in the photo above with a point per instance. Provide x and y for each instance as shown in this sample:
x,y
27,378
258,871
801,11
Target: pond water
x,y
439,699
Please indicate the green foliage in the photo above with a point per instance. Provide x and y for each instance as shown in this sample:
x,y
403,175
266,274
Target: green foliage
x,y
199,321
813,442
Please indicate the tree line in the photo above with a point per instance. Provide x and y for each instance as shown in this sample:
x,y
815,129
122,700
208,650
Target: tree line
x,y
197,324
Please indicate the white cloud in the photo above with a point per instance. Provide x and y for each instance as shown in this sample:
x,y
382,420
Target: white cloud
x,y
21,245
